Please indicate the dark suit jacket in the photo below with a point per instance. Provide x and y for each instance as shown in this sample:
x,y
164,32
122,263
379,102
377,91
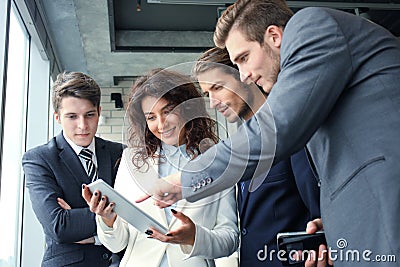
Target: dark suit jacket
x,y
54,170
338,91
287,199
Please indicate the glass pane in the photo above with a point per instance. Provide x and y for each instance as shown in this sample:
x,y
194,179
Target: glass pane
x,y
3,26
33,243
13,143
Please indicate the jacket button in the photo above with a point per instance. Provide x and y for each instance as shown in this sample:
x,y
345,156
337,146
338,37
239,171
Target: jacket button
x,y
105,256
244,231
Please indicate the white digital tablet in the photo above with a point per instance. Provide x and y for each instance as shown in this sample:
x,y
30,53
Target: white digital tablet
x,y
127,210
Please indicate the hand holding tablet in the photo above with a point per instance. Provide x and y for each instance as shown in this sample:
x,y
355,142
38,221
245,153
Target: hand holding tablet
x,y
125,209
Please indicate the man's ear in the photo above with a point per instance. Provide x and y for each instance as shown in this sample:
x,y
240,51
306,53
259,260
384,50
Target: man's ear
x,y
57,117
273,36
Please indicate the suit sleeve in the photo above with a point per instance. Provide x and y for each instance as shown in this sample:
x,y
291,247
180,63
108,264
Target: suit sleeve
x,y
223,239
63,226
315,67
306,182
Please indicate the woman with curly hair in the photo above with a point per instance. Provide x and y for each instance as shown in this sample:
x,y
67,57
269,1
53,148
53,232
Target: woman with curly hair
x,y
168,126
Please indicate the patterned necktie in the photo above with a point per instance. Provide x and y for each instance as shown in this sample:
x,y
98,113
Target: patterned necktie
x,y
86,154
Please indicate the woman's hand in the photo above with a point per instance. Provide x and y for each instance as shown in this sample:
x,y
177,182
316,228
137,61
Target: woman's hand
x,y
183,235
99,205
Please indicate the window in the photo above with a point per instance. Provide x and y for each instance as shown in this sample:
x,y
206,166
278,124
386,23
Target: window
x,y
13,141
24,126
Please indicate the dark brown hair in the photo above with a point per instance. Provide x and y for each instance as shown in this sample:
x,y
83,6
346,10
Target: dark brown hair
x,y
180,92
75,84
252,18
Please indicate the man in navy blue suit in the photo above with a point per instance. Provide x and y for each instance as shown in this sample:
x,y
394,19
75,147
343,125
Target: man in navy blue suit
x,y
289,196
56,171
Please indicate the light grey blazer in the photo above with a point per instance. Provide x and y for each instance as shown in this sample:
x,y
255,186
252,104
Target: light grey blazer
x,y
338,92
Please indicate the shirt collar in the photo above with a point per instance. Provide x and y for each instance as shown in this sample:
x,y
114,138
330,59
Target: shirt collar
x,y
78,149
170,150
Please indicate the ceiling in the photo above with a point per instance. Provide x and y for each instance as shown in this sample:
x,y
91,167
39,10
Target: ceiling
x,y
114,40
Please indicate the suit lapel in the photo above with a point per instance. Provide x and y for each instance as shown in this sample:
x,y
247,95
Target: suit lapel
x,y
103,156
179,207
144,178
245,198
158,211
181,204
71,161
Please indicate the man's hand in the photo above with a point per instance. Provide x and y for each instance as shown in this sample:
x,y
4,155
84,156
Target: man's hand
x,y
314,226
165,191
89,240
320,258
63,204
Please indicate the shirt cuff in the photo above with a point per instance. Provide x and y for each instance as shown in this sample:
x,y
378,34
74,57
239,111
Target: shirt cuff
x,y
97,241
103,226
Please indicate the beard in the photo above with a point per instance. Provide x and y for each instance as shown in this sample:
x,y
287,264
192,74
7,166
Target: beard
x,y
275,68
245,110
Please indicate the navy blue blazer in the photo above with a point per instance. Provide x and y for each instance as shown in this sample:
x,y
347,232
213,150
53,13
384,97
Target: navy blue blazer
x,y
287,199
54,170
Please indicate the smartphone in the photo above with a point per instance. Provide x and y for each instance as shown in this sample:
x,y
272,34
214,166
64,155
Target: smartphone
x,y
298,241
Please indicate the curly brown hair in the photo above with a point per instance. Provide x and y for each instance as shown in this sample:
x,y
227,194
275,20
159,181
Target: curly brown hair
x,y
181,93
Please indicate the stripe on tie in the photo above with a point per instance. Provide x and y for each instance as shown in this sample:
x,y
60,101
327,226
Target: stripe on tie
x,y
87,155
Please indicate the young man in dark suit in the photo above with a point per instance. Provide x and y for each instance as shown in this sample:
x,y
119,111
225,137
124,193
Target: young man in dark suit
x,y
288,198
56,171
